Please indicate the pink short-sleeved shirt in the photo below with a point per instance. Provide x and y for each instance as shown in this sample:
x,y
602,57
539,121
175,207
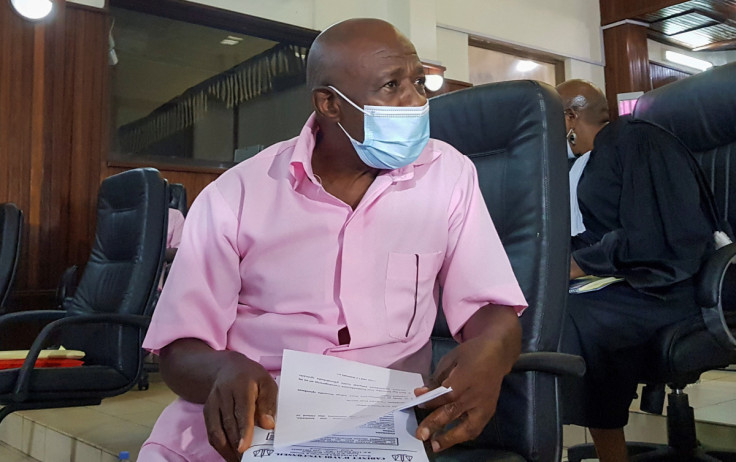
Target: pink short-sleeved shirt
x,y
269,260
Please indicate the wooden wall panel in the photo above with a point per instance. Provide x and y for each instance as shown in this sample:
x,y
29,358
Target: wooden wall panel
x,y
87,33
627,62
17,48
662,75
53,135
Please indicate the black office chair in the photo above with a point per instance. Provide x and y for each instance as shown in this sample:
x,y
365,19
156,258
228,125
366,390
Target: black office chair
x,y
11,230
178,198
110,310
701,111
514,134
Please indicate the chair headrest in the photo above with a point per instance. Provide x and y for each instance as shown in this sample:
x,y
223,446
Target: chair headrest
x,y
492,116
700,110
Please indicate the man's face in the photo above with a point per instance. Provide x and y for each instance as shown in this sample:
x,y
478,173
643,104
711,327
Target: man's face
x,y
380,72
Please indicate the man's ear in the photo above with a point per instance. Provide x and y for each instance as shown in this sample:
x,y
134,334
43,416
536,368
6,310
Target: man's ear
x,y
325,104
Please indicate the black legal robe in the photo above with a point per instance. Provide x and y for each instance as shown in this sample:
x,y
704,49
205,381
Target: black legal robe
x,y
645,208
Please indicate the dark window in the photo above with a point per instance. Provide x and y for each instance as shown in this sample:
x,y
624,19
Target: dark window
x,y
189,86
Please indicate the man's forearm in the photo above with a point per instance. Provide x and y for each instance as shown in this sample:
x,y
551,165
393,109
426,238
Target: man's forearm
x,y
190,367
499,324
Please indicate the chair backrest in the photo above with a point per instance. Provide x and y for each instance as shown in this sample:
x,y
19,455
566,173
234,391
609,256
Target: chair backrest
x,y
701,111
124,267
178,198
514,132
11,229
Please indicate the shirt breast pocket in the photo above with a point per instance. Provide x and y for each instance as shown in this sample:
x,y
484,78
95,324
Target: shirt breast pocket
x,y
410,280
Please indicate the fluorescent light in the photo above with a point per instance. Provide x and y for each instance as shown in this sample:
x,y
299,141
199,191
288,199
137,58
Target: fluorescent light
x,y
433,82
232,37
228,41
33,9
685,60
526,65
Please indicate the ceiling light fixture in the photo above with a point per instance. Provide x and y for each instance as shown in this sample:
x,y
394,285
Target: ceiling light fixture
x,y
32,9
231,40
526,65
433,82
686,60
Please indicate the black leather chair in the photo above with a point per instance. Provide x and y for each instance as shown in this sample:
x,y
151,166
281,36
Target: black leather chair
x,y
514,134
701,111
178,198
110,310
11,229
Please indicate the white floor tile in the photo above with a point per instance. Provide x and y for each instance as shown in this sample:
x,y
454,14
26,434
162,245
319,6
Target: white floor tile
x,y
724,413
33,439
8,454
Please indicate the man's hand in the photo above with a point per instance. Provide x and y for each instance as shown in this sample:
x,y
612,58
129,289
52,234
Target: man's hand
x,y
474,370
575,270
237,392
243,395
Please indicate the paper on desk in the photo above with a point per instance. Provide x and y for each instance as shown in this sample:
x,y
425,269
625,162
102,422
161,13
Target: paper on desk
x,y
321,395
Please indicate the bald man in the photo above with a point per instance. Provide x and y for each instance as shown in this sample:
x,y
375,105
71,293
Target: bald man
x,y
336,242
643,217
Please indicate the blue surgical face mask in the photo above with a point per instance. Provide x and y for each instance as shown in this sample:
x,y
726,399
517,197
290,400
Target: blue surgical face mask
x,y
394,136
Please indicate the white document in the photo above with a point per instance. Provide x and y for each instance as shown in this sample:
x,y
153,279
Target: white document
x,y
323,395
388,438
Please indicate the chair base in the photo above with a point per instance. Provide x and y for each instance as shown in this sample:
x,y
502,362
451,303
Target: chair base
x,y
9,408
682,442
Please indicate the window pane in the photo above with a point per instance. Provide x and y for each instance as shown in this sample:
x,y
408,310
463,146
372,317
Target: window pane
x,y
488,66
198,95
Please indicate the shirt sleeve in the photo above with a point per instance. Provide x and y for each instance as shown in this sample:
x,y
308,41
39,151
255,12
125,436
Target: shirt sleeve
x,y
476,271
200,297
664,229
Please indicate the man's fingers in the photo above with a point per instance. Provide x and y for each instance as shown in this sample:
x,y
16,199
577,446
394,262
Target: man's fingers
x,y
266,403
447,398
437,420
245,415
468,428
215,432
230,423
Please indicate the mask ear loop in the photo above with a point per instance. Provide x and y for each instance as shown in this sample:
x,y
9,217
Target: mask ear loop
x,y
347,99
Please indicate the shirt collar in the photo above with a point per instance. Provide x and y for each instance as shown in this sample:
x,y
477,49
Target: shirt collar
x,y
301,159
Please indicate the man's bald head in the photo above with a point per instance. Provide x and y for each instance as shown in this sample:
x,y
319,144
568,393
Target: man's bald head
x,y
585,100
330,55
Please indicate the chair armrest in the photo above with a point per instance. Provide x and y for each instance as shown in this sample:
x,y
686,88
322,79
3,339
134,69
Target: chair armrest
x,y
22,386
29,316
710,276
708,294
550,362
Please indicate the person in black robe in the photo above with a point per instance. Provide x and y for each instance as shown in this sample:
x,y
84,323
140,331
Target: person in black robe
x,y
647,220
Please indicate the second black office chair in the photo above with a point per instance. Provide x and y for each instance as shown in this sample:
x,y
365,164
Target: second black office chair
x,y
514,134
110,310
11,230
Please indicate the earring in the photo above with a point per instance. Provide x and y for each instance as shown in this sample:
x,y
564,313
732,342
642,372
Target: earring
x,y
572,136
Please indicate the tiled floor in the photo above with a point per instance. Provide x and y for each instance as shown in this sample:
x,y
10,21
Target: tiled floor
x,y
99,433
